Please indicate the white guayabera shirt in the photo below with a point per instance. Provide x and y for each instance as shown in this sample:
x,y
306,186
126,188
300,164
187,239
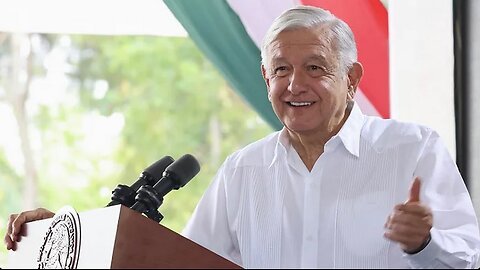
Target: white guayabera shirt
x,y
265,209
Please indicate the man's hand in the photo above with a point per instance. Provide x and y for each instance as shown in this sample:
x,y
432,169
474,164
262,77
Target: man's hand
x,y
16,221
409,224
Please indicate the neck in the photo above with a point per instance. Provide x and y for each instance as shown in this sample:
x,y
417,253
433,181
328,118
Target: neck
x,y
310,146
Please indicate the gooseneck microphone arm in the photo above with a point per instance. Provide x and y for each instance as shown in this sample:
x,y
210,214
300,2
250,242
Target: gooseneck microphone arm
x,y
125,195
176,175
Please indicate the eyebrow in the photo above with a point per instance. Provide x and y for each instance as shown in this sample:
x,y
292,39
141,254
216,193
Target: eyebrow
x,y
321,58
314,57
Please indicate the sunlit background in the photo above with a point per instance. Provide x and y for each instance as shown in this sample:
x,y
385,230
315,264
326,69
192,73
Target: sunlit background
x,y
93,92
81,113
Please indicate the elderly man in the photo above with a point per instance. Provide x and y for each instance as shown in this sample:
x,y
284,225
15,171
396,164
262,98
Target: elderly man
x,y
334,188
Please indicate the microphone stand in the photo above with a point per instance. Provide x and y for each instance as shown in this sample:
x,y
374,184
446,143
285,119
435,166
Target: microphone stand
x,y
123,195
147,202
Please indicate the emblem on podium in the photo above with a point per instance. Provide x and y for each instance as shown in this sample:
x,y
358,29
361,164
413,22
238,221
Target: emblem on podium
x,y
61,245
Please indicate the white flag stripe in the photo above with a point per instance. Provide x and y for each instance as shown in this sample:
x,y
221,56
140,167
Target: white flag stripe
x,y
256,16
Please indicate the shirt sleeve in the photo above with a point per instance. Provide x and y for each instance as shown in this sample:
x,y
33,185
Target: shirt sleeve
x,y
455,241
209,224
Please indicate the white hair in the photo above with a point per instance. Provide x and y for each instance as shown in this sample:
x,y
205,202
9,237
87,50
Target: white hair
x,y
311,17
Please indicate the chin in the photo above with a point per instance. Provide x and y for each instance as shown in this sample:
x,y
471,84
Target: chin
x,y
299,128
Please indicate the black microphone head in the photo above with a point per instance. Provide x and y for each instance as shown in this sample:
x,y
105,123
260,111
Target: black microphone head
x,y
182,170
125,195
156,169
152,173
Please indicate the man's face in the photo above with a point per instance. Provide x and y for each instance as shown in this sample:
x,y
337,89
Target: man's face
x,y
306,86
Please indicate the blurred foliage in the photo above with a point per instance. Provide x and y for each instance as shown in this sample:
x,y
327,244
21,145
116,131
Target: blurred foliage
x,y
165,98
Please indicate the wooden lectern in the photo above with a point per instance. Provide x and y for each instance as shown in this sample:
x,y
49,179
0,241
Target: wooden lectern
x,y
115,237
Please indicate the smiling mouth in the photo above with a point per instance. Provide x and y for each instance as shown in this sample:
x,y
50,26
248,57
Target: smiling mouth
x,y
299,104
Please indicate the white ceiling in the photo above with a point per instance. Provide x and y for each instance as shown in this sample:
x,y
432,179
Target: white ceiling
x,y
98,17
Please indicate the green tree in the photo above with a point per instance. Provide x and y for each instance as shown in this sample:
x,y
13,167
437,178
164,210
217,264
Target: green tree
x,y
173,102
163,98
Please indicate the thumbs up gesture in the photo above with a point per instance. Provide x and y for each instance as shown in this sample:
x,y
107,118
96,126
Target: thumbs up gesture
x,y
414,195
409,223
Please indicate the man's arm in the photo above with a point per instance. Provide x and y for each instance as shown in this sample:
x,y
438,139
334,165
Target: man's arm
x,y
455,240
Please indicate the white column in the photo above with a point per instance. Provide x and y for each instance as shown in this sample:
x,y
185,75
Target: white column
x,y
421,65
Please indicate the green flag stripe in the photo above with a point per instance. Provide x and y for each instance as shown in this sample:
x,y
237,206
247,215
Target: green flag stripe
x,y
220,35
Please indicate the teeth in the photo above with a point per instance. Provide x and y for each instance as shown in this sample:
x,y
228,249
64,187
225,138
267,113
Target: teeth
x,y
300,103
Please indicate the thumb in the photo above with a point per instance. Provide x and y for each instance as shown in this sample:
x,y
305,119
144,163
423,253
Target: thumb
x,y
414,195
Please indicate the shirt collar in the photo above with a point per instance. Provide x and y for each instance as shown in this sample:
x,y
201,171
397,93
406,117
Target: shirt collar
x,y
349,134
351,130
281,146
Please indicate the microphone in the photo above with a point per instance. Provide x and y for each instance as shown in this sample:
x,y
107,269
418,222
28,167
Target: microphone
x,y
175,176
125,195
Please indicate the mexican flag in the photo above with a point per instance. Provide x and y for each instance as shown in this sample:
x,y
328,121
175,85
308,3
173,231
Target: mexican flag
x,y
230,33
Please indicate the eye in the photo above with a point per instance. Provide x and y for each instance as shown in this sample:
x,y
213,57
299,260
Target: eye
x,y
315,70
314,67
281,71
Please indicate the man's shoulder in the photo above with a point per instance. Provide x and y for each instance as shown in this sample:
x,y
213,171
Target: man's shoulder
x,y
256,153
383,132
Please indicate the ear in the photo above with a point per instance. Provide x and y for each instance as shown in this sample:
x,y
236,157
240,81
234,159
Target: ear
x,y
266,79
355,74
264,75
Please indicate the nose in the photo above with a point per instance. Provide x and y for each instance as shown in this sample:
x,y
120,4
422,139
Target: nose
x,y
298,83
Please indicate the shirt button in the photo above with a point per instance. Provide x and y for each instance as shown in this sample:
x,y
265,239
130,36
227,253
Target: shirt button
x,y
309,238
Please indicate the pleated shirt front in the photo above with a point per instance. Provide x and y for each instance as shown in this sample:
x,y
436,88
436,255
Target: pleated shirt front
x,y
265,209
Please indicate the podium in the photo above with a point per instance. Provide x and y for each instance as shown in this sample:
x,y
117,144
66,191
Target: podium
x,y
110,237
